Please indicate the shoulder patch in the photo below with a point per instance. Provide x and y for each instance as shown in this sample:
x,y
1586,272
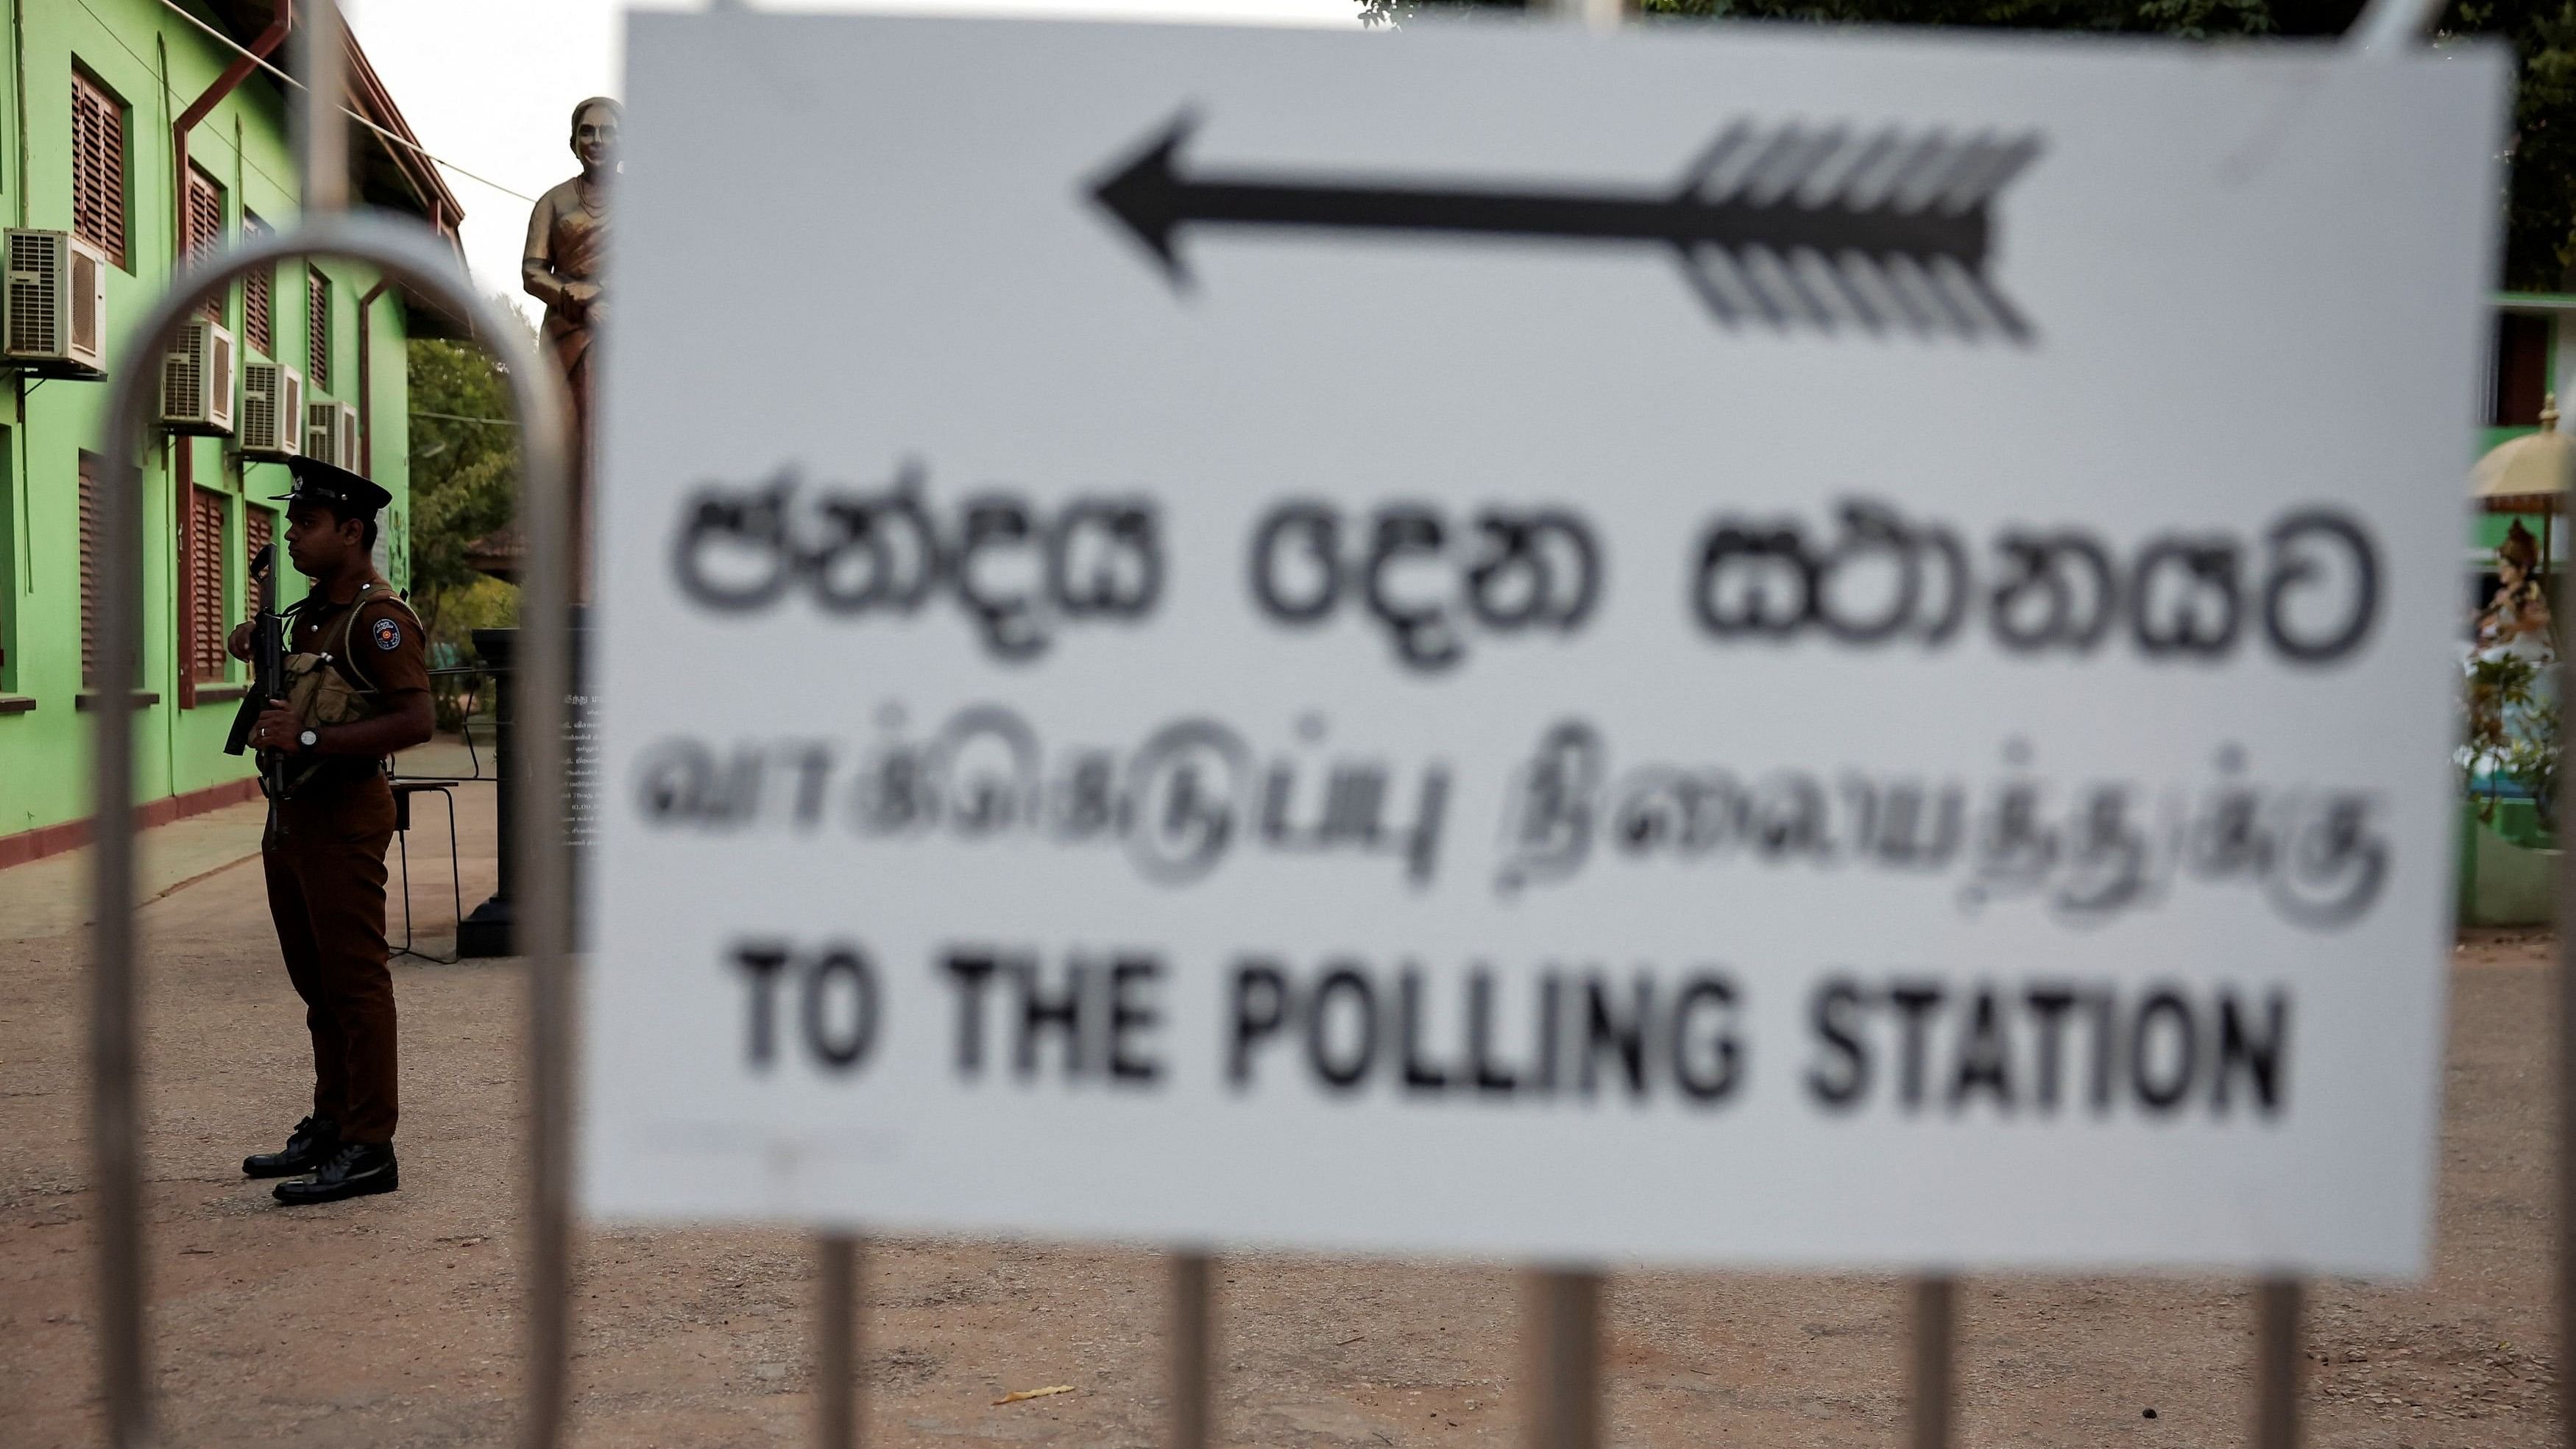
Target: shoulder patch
x,y
388,634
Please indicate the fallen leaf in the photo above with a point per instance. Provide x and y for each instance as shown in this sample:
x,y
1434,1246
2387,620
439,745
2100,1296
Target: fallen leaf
x,y
1045,1393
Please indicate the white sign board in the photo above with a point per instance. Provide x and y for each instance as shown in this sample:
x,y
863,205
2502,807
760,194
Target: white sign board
x,y
1743,646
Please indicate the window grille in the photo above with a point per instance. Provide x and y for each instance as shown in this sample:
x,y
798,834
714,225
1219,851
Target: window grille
x,y
317,330
255,294
98,167
90,503
207,661
259,529
205,227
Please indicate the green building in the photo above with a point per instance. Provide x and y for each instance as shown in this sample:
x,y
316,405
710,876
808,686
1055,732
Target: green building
x,y
142,129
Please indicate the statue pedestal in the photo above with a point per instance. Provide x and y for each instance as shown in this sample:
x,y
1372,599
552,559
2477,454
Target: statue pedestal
x,y
487,929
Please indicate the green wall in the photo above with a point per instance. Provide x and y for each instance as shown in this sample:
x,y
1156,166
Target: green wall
x,y
157,64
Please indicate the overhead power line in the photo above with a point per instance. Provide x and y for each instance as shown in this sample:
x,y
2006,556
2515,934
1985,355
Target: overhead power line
x,y
405,142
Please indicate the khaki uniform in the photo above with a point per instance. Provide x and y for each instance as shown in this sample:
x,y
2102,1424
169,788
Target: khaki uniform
x,y
325,855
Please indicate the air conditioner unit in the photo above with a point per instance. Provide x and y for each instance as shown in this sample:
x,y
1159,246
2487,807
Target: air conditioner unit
x,y
272,411
57,315
197,381
331,434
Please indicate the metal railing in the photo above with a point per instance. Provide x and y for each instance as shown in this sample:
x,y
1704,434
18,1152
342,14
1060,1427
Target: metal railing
x,y
1562,1316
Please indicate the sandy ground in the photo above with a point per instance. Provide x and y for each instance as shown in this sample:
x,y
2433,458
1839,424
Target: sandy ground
x,y
395,1320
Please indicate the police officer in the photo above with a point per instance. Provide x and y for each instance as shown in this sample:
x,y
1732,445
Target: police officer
x,y
360,692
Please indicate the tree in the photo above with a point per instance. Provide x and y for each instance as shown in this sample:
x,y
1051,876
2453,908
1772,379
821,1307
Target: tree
x,y
2539,250
464,485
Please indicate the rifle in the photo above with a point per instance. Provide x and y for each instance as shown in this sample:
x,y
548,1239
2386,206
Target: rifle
x,y
267,673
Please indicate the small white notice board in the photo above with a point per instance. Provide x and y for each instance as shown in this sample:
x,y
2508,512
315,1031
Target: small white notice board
x,y
1745,647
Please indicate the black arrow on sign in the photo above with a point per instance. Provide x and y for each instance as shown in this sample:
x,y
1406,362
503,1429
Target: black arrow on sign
x,y
1786,224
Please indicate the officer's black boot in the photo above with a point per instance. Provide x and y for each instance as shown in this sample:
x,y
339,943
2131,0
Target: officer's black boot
x,y
354,1170
307,1148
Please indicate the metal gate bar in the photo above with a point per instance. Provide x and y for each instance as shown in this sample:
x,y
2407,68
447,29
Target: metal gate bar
x,y
2566,1201
1193,1305
837,1355
2276,1364
1931,1389
1561,1314
1562,1319
414,256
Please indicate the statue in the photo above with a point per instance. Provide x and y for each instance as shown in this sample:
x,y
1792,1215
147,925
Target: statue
x,y
567,237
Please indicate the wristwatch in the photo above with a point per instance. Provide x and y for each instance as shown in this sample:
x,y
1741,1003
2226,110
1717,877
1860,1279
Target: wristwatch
x,y
308,739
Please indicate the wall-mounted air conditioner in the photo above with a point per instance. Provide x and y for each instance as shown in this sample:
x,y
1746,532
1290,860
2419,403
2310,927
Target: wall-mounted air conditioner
x,y
272,411
331,434
197,380
57,305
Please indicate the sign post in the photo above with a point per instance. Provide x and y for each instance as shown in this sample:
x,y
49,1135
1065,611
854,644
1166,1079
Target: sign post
x,y
1193,1336
1929,1384
1565,1405
2277,1361
1194,733
837,1359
